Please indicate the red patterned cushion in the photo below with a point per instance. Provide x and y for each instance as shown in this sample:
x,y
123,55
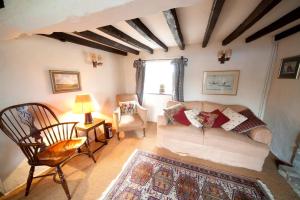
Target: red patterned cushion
x,y
181,118
207,119
221,119
251,123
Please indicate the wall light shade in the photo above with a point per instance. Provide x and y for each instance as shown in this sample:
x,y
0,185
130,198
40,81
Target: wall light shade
x,y
84,105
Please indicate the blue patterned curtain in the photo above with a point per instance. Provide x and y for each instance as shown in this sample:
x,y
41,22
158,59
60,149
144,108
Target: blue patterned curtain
x,y
179,64
140,66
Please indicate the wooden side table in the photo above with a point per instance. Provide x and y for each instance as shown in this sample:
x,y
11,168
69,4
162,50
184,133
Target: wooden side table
x,y
86,128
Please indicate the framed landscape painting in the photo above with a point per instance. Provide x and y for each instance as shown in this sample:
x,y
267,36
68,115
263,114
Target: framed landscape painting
x,y
221,82
290,68
65,81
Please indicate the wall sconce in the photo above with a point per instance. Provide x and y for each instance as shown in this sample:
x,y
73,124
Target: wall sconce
x,y
224,55
95,59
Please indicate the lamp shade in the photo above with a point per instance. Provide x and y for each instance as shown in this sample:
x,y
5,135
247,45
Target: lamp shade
x,y
83,104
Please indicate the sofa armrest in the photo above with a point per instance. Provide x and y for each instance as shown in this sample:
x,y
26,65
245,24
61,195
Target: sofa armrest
x,y
116,117
161,121
142,113
261,134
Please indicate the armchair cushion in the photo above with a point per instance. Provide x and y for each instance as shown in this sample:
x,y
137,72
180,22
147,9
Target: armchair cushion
x,y
130,122
127,107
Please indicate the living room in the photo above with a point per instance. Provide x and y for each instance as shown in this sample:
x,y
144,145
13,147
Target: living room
x,y
183,55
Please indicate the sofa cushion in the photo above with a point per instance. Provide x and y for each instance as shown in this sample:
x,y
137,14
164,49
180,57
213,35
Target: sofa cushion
x,y
169,112
192,116
180,132
210,106
233,142
221,119
235,119
207,119
181,118
251,123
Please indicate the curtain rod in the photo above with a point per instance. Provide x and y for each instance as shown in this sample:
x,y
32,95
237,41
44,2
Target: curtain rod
x,y
185,59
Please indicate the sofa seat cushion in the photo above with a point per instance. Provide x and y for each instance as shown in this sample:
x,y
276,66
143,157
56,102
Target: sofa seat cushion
x,y
129,122
180,132
233,142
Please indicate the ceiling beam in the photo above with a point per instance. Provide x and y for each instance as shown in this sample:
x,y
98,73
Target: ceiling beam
x,y
140,27
116,33
103,40
76,40
287,33
261,9
282,21
172,20
1,4
213,18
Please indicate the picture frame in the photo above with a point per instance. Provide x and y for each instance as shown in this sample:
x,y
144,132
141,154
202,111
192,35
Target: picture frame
x,y
65,81
289,68
221,82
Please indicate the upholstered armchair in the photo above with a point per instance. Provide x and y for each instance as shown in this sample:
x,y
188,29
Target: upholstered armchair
x,y
129,122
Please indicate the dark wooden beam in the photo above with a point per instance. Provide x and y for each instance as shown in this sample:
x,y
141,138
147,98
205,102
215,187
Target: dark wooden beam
x,y
140,27
282,21
114,32
174,26
103,40
287,33
1,4
261,9
76,40
213,18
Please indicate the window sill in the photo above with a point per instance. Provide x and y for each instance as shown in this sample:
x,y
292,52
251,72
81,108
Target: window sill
x,y
158,94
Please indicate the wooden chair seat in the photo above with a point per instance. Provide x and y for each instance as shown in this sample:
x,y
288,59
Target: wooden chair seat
x,y
59,152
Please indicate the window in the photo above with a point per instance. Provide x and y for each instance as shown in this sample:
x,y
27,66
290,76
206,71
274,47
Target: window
x,y
159,77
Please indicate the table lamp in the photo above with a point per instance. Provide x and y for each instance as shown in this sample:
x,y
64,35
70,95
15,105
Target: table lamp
x,y
84,105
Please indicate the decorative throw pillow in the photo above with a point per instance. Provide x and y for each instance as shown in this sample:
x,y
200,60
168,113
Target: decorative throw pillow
x,y
251,123
127,107
181,118
207,119
235,119
192,116
221,119
171,111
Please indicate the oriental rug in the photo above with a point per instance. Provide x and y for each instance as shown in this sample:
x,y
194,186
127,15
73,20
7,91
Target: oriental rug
x,y
151,177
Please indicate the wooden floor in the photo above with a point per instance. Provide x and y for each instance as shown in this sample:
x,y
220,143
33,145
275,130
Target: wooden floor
x,y
87,180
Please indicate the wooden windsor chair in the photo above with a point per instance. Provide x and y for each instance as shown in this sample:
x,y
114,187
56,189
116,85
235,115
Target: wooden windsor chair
x,y
43,139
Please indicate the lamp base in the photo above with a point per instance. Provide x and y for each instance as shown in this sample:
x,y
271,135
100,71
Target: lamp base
x,y
88,119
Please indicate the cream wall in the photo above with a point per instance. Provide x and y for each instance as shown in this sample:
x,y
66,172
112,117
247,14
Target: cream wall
x,y
24,77
252,59
282,109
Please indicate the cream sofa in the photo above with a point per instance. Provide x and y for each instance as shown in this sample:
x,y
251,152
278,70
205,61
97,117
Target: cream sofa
x,y
215,144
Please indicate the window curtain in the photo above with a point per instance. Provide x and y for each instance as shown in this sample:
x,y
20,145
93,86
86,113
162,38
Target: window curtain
x,y
140,66
179,64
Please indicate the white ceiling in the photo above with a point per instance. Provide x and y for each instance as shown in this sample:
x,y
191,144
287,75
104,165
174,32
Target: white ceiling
x,y
192,15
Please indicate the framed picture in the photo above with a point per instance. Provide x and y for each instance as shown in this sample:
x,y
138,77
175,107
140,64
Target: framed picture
x,y
290,68
65,81
221,82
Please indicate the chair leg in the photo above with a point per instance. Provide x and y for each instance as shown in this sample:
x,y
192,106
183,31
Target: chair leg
x,y
144,130
29,180
63,181
90,152
118,134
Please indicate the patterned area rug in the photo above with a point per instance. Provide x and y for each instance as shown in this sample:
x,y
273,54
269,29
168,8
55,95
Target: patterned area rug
x,y
151,177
